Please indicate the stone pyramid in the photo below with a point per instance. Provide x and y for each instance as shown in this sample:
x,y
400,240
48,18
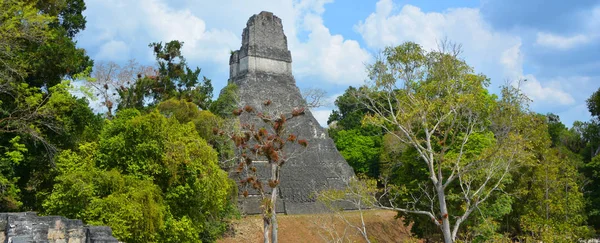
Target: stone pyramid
x,y
262,69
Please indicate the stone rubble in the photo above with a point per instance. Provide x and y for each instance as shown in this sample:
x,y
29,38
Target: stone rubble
x,y
27,227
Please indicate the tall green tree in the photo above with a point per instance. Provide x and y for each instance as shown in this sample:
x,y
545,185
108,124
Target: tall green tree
x,y
173,78
37,52
551,206
464,137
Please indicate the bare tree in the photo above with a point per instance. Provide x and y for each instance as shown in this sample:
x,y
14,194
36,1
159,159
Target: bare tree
x,y
314,97
328,227
361,194
272,143
433,103
109,77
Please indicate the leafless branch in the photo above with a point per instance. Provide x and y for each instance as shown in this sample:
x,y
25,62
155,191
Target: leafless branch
x,y
314,97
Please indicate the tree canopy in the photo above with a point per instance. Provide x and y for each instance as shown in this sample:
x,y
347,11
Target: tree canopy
x,y
146,168
448,148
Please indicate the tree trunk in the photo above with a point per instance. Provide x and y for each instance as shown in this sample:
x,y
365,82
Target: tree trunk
x,y
266,227
362,221
274,177
274,216
444,211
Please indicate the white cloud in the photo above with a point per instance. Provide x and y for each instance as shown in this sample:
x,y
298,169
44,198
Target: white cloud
x,y
578,112
113,50
589,33
560,42
512,61
550,93
495,54
211,29
199,41
336,60
135,24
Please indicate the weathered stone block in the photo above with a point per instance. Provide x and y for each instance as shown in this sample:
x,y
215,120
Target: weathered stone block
x,y
28,227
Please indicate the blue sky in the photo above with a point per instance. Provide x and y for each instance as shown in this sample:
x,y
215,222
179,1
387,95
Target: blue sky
x,y
553,44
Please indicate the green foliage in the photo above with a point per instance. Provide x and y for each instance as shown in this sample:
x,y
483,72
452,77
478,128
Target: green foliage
x,y
13,155
154,176
172,79
182,230
176,79
132,207
555,128
550,204
359,144
68,12
146,176
555,205
76,120
455,149
36,44
20,24
593,103
133,95
46,121
181,110
581,144
134,211
36,52
361,152
205,123
592,172
54,60
349,111
142,178
227,102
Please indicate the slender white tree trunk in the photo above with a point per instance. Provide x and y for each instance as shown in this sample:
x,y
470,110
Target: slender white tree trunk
x,y
274,177
444,211
274,220
362,221
274,216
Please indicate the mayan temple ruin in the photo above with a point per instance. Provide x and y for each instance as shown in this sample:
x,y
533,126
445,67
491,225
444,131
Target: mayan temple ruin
x,y
262,69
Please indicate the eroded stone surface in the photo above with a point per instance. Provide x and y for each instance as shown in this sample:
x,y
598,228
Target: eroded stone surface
x,y
28,227
262,70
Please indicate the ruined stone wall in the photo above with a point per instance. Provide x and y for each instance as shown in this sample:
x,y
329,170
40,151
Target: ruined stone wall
x,y
256,64
264,37
28,227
